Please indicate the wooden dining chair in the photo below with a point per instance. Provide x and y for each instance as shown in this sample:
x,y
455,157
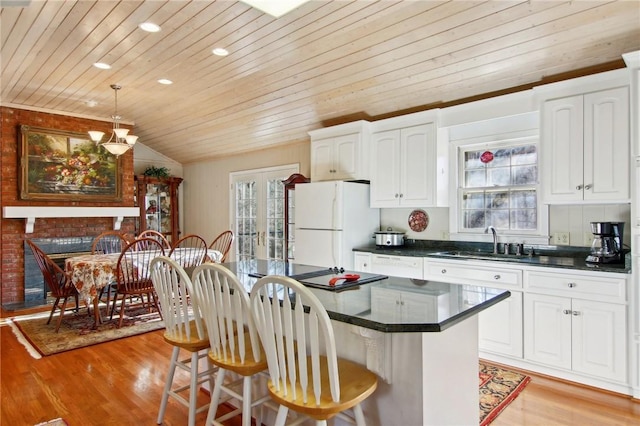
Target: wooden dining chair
x,y
133,277
222,243
184,330
158,236
108,242
235,346
189,251
57,280
306,375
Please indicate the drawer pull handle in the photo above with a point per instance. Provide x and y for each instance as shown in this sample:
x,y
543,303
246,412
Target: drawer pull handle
x,y
365,265
444,271
567,311
575,313
571,285
496,277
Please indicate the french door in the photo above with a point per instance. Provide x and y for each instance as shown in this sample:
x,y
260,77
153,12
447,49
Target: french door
x,y
257,198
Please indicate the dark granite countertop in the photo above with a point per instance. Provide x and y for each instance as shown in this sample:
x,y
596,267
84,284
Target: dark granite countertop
x,y
451,303
546,256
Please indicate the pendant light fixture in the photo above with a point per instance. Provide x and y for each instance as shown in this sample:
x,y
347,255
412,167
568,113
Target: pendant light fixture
x,y
120,141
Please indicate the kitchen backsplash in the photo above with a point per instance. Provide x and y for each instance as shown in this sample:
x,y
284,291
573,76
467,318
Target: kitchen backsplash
x,y
574,219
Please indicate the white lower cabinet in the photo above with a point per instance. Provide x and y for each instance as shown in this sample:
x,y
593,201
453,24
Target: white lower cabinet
x,y
401,305
397,266
362,262
500,326
579,333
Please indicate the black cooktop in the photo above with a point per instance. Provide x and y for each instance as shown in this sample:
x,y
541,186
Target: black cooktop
x,y
320,278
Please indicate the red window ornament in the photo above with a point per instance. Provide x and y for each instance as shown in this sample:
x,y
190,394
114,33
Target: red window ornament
x,y
486,157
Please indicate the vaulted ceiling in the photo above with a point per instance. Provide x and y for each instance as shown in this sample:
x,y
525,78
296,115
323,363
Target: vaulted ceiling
x,y
326,62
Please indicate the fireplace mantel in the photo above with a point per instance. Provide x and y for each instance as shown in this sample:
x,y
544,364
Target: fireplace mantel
x,y
31,213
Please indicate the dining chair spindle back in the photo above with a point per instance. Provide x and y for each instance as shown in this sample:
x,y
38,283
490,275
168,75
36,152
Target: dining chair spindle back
x,y
58,282
189,251
108,242
222,243
306,375
234,341
185,330
158,236
133,277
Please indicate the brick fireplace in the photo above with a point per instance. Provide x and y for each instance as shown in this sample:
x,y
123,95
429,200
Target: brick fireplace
x,y
13,231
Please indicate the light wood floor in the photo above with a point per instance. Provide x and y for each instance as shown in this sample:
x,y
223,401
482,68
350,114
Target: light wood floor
x,y
120,383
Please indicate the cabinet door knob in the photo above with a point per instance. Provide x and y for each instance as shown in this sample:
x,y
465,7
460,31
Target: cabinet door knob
x,y
496,277
579,187
567,311
587,187
575,313
364,264
444,271
571,285
396,195
401,195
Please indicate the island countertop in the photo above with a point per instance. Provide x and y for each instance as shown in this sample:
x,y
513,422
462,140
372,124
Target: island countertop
x,y
431,306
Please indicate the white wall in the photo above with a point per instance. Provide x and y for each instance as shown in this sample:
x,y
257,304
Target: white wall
x,y
206,185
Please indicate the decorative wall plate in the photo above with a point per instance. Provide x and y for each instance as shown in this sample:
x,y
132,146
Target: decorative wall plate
x,y
418,220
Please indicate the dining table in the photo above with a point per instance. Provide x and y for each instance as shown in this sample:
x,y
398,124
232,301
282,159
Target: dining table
x,y
90,273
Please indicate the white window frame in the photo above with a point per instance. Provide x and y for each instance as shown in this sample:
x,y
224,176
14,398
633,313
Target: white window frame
x,y
492,141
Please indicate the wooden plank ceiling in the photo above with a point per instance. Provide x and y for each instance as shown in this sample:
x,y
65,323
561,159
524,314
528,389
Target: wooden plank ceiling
x,y
324,63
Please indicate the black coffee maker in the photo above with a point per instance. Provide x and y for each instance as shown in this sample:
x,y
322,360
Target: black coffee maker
x,y
607,243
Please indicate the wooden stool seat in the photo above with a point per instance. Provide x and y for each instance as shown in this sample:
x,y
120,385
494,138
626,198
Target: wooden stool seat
x,y
356,384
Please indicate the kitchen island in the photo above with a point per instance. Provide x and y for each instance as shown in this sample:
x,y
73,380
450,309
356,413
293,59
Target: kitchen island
x,y
420,337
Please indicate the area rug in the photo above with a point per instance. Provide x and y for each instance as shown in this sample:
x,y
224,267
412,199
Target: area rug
x,y
498,387
77,330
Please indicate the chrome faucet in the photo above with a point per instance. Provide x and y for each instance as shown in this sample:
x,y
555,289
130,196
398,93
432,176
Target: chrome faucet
x,y
495,238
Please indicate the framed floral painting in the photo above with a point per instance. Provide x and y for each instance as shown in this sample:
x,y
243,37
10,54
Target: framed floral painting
x,y
62,165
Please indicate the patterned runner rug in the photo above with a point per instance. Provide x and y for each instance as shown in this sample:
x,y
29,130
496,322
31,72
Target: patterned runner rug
x,y
498,387
77,331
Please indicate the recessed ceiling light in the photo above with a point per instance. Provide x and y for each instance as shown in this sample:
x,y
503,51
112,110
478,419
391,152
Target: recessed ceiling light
x,y
149,27
102,66
275,8
165,81
219,51
91,104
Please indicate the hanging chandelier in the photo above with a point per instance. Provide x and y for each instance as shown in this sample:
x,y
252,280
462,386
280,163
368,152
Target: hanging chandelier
x,y
120,141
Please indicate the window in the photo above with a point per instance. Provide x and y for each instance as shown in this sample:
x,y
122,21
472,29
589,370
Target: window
x,y
499,187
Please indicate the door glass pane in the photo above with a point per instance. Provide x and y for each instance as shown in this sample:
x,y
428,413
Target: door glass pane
x,y
275,219
246,219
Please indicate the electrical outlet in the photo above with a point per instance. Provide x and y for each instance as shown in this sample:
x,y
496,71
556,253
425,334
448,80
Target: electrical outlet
x,y
445,235
561,238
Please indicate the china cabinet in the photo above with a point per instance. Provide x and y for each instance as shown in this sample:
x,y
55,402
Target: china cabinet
x,y
157,199
585,147
289,206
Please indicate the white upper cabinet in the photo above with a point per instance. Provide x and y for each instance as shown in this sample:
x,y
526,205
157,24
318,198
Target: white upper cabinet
x,y
340,152
404,162
585,148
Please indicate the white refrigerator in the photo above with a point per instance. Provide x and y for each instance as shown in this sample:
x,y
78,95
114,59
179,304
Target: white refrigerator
x,y
331,218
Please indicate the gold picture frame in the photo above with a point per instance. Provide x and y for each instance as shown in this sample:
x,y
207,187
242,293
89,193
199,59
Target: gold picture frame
x,y
67,166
